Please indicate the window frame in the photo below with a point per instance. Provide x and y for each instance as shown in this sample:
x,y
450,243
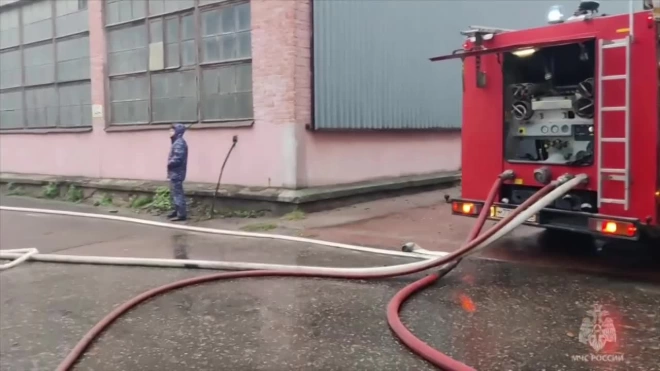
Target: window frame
x,y
196,10
56,84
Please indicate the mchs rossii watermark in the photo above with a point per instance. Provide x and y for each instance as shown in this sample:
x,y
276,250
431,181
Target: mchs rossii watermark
x,y
596,331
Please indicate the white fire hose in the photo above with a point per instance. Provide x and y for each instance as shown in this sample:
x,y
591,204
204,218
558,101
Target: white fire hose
x,y
429,258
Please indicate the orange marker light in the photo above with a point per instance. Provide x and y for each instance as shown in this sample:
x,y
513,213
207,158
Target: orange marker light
x,y
465,208
609,227
612,227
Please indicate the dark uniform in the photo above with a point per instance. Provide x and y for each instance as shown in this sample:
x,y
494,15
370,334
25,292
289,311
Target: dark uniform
x,y
177,163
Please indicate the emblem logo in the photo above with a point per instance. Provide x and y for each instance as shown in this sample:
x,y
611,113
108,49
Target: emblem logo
x,y
598,329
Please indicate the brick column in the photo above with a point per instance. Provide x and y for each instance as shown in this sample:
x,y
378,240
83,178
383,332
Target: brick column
x,y
303,85
97,54
281,78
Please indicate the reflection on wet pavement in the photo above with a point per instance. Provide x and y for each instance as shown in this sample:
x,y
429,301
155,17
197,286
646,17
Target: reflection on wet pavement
x,y
180,244
520,319
103,238
527,318
621,259
491,315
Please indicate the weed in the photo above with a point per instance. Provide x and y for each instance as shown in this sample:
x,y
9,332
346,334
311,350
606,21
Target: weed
x,y
246,214
294,215
259,227
14,190
74,194
141,202
50,190
161,200
106,200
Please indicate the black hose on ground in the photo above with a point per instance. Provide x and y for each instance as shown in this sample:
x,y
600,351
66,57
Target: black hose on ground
x,y
222,169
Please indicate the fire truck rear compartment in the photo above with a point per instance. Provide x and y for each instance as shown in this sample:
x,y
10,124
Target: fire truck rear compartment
x,y
549,104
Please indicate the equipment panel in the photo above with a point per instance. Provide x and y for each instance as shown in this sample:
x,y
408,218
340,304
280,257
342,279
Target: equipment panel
x,y
545,121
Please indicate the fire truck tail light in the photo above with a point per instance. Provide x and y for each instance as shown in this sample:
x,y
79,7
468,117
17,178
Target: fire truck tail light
x,y
613,227
465,208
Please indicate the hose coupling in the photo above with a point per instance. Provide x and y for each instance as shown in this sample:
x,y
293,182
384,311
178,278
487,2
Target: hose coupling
x,y
543,175
565,178
508,175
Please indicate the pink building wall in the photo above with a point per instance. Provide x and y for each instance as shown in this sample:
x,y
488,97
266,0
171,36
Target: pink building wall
x,y
276,151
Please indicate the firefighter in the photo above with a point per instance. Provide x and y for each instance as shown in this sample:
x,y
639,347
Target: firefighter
x,y
177,163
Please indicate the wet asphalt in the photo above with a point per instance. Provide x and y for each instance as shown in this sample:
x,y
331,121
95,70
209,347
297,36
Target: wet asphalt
x,y
491,315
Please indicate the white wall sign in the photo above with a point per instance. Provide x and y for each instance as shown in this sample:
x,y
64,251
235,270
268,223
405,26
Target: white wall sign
x,y
97,111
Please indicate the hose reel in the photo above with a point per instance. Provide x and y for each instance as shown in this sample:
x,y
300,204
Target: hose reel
x,y
583,103
521,108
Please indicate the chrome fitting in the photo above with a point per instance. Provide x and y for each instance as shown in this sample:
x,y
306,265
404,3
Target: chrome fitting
x,y
543,175
508,175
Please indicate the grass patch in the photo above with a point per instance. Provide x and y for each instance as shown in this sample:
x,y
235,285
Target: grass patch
x,y
50,191
140,202
245,214
161,200
14,190
74,194
106,200
259,227
294,215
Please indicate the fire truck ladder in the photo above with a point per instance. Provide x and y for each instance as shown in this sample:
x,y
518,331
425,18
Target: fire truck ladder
x,y
622,175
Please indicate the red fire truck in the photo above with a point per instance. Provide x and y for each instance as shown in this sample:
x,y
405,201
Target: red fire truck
x,y
579,95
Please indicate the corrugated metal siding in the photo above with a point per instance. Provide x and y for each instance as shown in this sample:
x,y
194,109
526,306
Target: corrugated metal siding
x,y
371,67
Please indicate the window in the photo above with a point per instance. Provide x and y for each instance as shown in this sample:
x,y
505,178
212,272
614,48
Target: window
x,y
37,21
159,74
44,82
9,28
118,11
157,7
127,50
227,92
226,34
71,17
10,69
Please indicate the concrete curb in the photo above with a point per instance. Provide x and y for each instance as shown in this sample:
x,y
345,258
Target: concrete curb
x,y
300,196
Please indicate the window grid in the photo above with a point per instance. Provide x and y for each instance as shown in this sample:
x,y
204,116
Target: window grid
x,y
172,64
41,87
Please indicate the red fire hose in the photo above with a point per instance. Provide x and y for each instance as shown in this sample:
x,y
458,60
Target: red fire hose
x,y
416,345
433,356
